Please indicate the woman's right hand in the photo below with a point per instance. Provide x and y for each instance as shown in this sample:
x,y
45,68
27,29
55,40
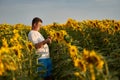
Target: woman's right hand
x,y
48,40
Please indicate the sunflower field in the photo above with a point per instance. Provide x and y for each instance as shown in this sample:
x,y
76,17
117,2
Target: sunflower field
x,y
80,50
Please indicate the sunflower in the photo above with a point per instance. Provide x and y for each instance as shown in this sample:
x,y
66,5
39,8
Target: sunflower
x,y
63,32
15,31
51,33
17,51
80,64
57,36
4,50
86,53
73,51
1,67
100,64
4,41
105,40
93,58
30,46
16,36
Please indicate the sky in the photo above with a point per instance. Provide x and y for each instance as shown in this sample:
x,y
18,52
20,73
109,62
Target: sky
x,y
23,11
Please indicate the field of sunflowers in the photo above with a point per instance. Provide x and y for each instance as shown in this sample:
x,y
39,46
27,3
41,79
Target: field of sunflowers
x,y
80,50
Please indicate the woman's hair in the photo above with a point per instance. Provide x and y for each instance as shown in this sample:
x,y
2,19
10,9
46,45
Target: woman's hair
x,y
36,20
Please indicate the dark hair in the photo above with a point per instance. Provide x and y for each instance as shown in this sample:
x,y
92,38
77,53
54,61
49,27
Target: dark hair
x,y
36,20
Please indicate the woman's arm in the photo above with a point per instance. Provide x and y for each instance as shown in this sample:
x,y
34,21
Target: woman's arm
x,y
40,44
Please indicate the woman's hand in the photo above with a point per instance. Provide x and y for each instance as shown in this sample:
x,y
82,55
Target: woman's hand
x,y
48,40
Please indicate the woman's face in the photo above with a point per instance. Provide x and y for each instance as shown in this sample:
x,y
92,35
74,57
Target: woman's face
x,y
38,25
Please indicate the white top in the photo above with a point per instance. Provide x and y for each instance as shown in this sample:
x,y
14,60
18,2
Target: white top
x,y
35,37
